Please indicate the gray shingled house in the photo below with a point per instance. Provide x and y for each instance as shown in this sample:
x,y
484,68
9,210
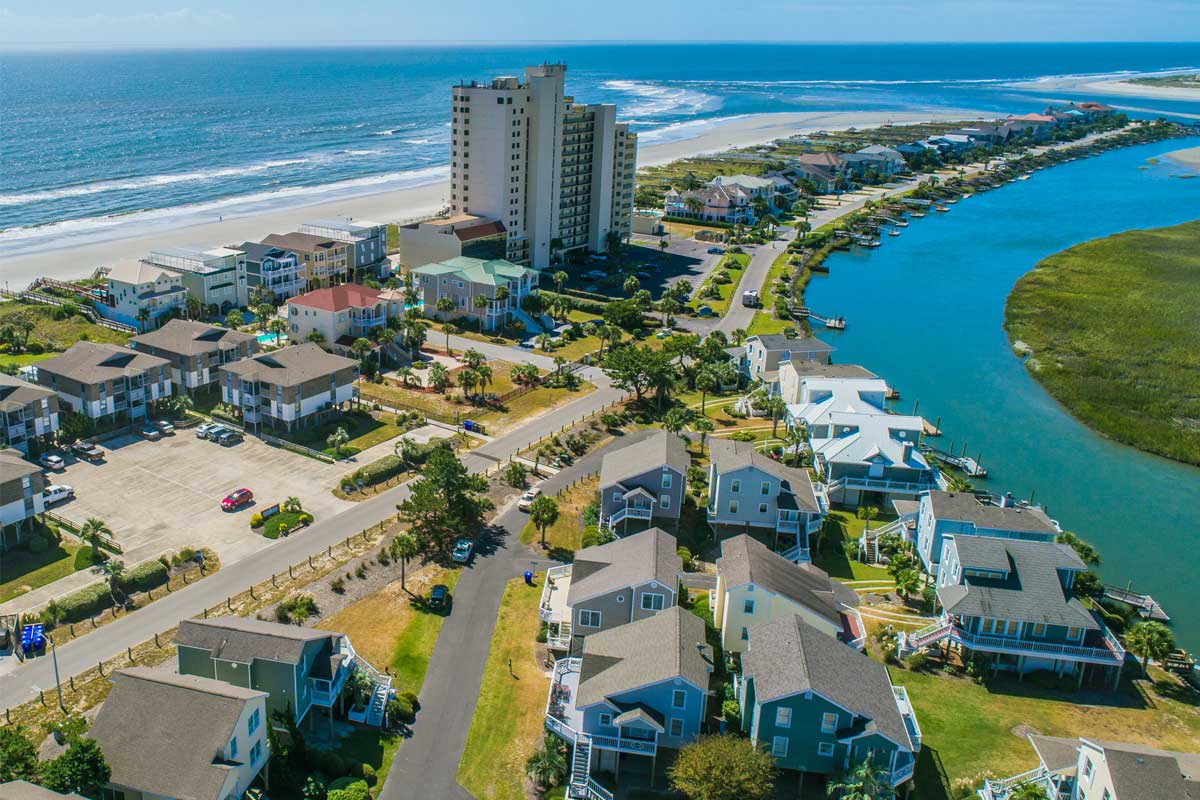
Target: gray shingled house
x,y
196,350
643,484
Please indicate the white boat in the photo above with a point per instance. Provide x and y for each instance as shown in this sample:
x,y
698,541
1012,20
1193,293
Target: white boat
x,y
942,209
917,214
964,197
1024,177
893,233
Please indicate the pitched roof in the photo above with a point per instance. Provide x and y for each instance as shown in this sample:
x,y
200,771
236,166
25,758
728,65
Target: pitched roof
x,y
871,440
826,159
301,241
24,790
1056,753
1030,590
290,366
13,466
338,298
650,453
670,644
965,507
1139,772
93,362
727,455
162,733
16,393
473,232
133,271
817,370
777,341
746,560
256,251
787,656
243,639
496,272
188,338
630,561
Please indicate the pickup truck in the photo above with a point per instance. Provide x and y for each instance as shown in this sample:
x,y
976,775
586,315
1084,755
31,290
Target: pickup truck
x,y
87,450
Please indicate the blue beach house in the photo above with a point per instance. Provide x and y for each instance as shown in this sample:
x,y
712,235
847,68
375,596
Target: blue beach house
x,y
943,514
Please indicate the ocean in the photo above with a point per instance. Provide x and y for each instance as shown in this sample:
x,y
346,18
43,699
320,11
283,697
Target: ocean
x,y
98,142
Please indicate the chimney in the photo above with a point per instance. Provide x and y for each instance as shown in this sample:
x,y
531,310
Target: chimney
x,y
907,451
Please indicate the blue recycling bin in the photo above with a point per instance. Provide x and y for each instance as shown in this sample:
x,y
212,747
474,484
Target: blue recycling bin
x,y
33,637
528,578
468,425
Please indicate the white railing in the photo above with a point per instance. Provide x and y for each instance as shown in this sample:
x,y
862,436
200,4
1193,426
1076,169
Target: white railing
x,y
561,728
558,641
901,774
635,513
1113,654
907,712
797,554
999,789
885,485
625,745
545,612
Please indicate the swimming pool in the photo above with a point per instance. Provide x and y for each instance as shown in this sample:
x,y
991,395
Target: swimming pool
x,y
269,338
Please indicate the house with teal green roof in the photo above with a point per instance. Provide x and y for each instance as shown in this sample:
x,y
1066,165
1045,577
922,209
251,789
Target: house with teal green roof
x,y
488,291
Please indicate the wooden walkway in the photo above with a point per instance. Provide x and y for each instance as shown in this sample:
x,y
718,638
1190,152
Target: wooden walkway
x,y
1146,605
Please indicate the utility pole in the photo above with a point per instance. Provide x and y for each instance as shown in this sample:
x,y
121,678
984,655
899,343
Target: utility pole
x,y
57,683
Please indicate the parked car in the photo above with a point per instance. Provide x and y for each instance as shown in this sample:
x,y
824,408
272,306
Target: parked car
x,y
704,311
595,274
236,499
51,461
438,596
87,450
716,251
215,431
527,499
643,274
165,427
56,493
750,298
150,432
462,551
228,438
203,428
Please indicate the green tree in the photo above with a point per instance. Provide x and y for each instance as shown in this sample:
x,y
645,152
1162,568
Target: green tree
x,y
637,369
481,302
708,380
722,768
113,570
863,781
631,285
450,329
278,327
18,755
81,769
775,408
316,337
560,279
337,440
867,513
547,767
234,319
703,426
1148,640
543,512
142,316
404,547
292,505
1086,552
908,583
1027,791
439,376
794,437
264,312
676,420
445,501
360,348
92,531
444,305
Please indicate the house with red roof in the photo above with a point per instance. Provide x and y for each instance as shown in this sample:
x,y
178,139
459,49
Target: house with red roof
x,y
336,316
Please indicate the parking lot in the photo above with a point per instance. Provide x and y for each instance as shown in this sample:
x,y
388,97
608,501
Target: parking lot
x,y
165,494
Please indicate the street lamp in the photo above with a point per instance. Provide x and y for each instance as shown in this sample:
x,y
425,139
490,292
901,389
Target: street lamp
x,y
57,683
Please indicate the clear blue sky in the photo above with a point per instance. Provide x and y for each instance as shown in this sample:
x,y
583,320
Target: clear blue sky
x,y
303,21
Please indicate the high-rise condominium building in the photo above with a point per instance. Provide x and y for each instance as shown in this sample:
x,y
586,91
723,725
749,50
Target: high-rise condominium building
x,y
558,174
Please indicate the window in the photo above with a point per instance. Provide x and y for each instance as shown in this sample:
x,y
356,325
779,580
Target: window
x,y
829,723
606,719
666,480
675,727
1088,768
779,746
233,749
748,607
1074,634
764,487
616,497
652,602
589,619
664,502
256,752
1039,629
825,749
733,506
253,723
735,486
783,717
679,699
745,634
762,508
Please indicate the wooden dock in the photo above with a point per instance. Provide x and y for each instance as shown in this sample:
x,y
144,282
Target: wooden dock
x,y
1146,605
970,466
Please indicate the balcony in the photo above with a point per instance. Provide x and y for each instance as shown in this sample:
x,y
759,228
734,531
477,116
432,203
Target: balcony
x,y
553,607
882,485
565,720
630,512
1112,654
909,716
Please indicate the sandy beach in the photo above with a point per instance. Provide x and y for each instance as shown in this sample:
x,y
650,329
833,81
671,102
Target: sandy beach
x,y
1189,156
1120,87
71,261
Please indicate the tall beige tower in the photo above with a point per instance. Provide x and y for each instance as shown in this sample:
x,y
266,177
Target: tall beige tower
x,y
557,173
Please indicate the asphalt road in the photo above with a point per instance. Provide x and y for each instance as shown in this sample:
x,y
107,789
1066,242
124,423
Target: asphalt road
x,y
426,765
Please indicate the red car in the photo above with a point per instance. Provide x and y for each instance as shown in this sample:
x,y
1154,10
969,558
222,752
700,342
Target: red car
x,y
236,499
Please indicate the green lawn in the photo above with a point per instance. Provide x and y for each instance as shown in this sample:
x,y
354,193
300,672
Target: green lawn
x,y
735,265
22,571
366,430
509,716
284,519
56,334
415,644
840,527
764,321
371,746
566,530
22,359
1112,332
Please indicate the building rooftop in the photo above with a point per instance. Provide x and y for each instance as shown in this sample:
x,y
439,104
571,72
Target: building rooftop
x,y
243,639
787,656
301,241
24,790
256,251
496,272
965,507
135,272
670,644
338,298
187,338
164,733
93,362
290,366
1027,586
650,453
727,456
629,561
194,258
872,440
13,466
778,342
15,393
745,560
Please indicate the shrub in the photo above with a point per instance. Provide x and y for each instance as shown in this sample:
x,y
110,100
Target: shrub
x,y
411,697
184,556
305,518
916,661
399,709
368,774
145,576
34,347
256,520
298,608
380,470
83,603
730,711
383,558
338,585
349,789
515,475
543,633
361,572
328,763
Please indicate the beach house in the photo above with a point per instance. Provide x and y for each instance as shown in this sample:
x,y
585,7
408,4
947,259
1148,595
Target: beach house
x,y
141,294
610,585
323,259
298,668
445,238
634,690
289,388
774,190
751,493
643,484
366,243
167,735
1094,769
338,315
104,380
793,374
27,413
817,706
216,276
762,355
502,286
865,455
886,161
942,513
730,205
1010,602
757,585
195,351
273,270
21,485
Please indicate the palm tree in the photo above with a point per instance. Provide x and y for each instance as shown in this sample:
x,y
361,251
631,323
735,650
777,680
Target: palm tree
x,y
867,513
958,483
543,340
473,358
292,505
560,279
704,427
316,337
444,306
485,377
278,327
739,335
265,313
794,437
693,204
907,582
439,376
337,440
1086,552
1027,791
361,348
468,379
543,513
502,295
707,380
450,329
181,404
547,767
863,781
404,546
676,420
143,316
631,285
1150,640
481,302
92,531
113,570
776,407
406,373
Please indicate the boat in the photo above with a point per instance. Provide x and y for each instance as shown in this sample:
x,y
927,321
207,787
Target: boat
x,y
942,209
964,197
837,323
893,233
917,214
1024,177
952,200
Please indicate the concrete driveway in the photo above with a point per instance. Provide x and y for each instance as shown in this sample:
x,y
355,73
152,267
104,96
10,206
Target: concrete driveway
x,y
166,494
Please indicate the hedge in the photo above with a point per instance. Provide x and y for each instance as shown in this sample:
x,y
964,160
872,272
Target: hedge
x,y
700,222
582,301
145,576
84,603
349,789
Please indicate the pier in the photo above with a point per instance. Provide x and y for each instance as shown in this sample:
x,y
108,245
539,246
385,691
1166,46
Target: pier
x,y
833,323
970,466
1146,605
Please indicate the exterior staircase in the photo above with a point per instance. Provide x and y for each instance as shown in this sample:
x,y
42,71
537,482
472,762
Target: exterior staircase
x,y
867,542
797,554
930,634
581,766
379,698
532,326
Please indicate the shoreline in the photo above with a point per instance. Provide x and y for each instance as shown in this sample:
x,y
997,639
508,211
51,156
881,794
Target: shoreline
x,y
1119,87
61,258
1188,157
